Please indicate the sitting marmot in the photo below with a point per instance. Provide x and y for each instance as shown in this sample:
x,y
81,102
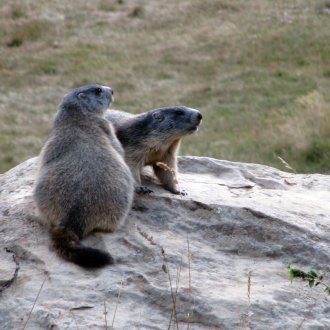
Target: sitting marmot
x,y
83,183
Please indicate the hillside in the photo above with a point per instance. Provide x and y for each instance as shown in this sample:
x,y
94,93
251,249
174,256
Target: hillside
x,y
258,70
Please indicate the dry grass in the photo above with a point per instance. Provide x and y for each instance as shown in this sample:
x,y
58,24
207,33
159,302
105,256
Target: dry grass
x,y
248,66
174,289
308,131
35,301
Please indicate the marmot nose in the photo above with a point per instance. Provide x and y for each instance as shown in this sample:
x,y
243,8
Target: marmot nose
x,y
111,92
199,116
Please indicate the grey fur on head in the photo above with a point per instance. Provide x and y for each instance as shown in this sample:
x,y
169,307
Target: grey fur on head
x,y
78,99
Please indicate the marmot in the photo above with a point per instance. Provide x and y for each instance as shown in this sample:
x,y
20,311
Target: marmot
x,y
83,183
152,137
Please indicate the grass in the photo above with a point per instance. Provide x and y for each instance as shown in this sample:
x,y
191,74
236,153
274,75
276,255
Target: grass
x,y
258,70
174,322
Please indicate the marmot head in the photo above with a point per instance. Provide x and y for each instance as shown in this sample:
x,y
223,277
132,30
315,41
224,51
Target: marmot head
x,y
92,99
175,121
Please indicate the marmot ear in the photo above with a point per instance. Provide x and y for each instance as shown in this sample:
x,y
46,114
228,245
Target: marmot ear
x,y
158,116
82,96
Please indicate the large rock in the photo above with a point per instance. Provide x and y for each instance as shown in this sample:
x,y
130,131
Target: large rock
x,y
227,246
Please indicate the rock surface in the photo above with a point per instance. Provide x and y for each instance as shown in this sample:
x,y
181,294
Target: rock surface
x,y
239,223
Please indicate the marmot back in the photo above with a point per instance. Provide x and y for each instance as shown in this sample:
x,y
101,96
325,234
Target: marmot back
x,y
83,182
154,137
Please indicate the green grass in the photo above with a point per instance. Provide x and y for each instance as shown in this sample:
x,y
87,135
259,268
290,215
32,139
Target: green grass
x,y
258,70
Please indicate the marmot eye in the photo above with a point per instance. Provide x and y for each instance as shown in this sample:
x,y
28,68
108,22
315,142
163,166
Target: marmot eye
x,y
179,112
98,91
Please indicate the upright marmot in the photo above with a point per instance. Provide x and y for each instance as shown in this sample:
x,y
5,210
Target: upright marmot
x,y
154,137
83,182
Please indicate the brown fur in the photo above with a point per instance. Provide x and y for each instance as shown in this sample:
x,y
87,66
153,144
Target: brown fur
x,y
153,137
83,182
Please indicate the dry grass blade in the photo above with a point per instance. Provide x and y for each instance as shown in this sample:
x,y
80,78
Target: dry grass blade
x,y
115,312
301,323
166,270
249,286
286,164
189,267
178,275
105,314
189,276
244,322
172,293
149,238
35,301
167,168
